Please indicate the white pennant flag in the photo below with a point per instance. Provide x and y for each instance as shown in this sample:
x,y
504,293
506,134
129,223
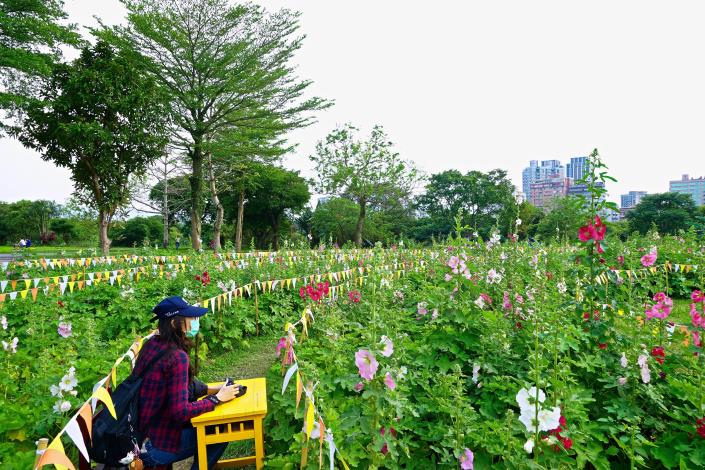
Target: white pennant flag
x,y
36,281
62,287
3,285
13,295
289,374
331,447
4,265
74,432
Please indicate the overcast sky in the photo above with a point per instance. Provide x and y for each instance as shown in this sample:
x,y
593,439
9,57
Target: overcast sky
x,y
477,85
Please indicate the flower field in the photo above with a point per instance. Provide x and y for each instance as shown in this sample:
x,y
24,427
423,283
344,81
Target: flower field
x,y
467,355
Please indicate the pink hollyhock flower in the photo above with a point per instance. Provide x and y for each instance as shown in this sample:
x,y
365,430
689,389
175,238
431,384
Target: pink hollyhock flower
x,y
434,314
506,303
389,381
421,309
696,339
466,460
620,259
486,298
448,277
354,296
598,230
359,386
661,309
302,292
453,264
281,345
649,259
584,233
519,298
366,364
697,319
65,329
697,296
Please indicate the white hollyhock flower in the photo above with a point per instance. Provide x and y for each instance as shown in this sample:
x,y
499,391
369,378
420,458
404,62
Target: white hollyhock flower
x,y
388,349
623,361
475,373
68,383
3,321
528,418
55,391
549,419
525,397
562,287
62,406
529,446
480,302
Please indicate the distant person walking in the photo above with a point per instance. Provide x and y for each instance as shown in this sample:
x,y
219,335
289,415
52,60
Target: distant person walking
x,y
23,243
29,243
178,242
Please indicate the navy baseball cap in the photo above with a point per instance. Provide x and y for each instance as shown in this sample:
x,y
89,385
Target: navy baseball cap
x,y
176,306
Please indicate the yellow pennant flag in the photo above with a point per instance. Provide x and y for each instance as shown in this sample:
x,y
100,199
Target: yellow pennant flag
x,y
309,419
103,395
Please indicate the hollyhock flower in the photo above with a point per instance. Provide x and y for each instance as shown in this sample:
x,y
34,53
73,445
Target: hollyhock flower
x,y
56,391
388,346
506,303
448,277
562,287
493,277
421,309
62,406
281,345
475,372
567,443
602,346
389,381
366,364
696,339
620,259
486,298
697,319
64,329
480,302
649,259
622,380
354,296
453,264
525,397
302,293
645,373
549,419
700,427
659,354
68,382
697,296
623,361
529,446
466,460
12,346
359,386
584,233
3,321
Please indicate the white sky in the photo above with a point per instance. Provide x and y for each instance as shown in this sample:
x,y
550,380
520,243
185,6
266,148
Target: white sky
x,y
482,85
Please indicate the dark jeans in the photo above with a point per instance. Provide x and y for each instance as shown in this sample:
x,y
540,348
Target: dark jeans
x,y
154,457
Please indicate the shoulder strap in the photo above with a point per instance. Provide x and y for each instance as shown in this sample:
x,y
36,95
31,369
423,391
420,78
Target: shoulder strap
x,y
152,363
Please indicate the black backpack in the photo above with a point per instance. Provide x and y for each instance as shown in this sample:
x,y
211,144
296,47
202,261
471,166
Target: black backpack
x,y
114,439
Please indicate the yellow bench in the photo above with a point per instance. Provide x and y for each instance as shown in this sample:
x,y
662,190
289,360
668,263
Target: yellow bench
x,y
237,420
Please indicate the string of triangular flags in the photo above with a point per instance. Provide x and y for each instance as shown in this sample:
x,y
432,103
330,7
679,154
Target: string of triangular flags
x,y
60,263
615,274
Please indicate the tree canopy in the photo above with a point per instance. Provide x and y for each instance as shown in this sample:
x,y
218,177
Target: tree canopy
x,y
669,212
105,121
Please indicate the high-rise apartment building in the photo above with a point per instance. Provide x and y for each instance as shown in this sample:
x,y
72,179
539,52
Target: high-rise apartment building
x,y
693,186
534,173
543,191
631,199
578,168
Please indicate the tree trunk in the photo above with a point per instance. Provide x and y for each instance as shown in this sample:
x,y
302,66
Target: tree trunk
x,y
360,222
219,210
276,224
103,225
240,216
165,203
196,180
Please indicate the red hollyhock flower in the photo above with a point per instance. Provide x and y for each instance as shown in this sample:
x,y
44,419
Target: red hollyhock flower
x,y
602,345
567,443
659,354
302,293
700,426
620,259
354,296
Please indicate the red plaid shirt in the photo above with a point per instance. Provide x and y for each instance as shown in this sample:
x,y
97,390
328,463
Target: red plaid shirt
x,y
164,406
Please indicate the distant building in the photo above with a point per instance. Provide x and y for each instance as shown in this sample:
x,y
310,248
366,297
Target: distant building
x,y
693,186
631,199
543,191
578,168
535,173
582,189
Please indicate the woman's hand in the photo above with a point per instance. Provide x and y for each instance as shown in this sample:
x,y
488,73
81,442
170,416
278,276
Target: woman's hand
x,y
227,393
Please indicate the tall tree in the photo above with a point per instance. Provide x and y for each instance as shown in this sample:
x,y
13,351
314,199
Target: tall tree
x,y
31,33
485,199
281,191
104,121
367,172
225,65
670,212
